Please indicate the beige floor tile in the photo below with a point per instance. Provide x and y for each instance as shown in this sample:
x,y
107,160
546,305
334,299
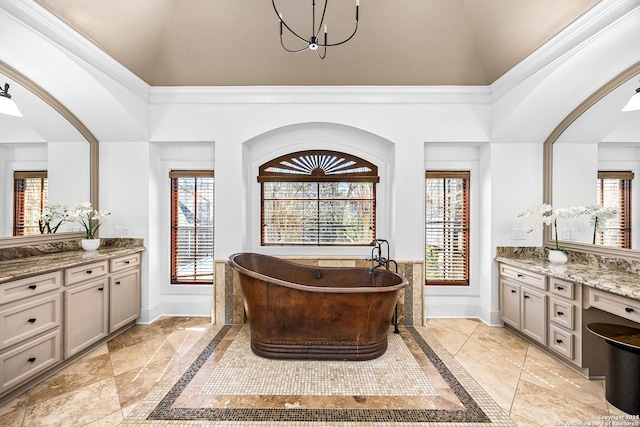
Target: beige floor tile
x,y
552,374
545,407
493,354
464,326
85,405
450,339
500,386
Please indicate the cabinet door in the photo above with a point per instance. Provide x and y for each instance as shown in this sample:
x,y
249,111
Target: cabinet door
x,y
86,315
510,303
124,306
533,318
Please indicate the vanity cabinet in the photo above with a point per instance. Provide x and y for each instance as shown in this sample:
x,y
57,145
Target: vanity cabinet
x,y
523,302
124,291
30,328
49,320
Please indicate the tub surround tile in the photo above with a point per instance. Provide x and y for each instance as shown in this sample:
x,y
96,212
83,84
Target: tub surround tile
x,y
604,274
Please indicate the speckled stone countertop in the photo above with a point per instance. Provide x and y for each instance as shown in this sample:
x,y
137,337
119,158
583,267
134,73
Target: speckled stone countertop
x,y
620,282
21,267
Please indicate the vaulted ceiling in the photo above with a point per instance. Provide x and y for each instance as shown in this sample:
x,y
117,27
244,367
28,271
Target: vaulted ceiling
x,y
399,42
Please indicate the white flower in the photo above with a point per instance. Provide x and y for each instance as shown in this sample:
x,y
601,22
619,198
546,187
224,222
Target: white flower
x,y
84,214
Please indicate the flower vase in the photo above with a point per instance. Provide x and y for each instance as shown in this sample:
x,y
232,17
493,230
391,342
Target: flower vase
x,y
90,244
557,257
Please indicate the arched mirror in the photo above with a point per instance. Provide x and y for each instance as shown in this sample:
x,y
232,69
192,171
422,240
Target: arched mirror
x,y
46,151
593,158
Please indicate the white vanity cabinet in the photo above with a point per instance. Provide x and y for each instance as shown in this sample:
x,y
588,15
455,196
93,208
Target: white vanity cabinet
x,y
523,301
30,328
50,319
86,305
124,291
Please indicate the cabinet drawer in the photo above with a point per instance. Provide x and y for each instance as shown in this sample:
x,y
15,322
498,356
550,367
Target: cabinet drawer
x,y
614,304
125,262
26,319
561,341
24,288
84,272
24,362
532,279
562,288
561,313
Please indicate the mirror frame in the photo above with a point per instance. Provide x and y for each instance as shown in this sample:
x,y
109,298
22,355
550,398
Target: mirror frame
x,y
630,254
15,75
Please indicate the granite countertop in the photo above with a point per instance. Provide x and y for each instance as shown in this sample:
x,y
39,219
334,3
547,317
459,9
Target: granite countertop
x,y
20,268
626,284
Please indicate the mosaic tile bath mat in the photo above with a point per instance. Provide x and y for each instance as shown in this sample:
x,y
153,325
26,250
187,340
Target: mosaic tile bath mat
x,y
221,382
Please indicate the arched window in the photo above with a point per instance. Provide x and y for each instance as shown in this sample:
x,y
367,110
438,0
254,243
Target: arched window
x,y
318,197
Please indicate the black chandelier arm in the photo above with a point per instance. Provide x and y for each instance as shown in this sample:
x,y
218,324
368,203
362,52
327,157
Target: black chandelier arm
x,y
273,2
324,10
290,50
325,44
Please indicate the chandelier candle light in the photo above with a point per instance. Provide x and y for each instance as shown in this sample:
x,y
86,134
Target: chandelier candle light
x,y
313,43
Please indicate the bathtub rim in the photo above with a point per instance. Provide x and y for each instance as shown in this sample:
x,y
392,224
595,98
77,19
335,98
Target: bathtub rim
x,y
319,289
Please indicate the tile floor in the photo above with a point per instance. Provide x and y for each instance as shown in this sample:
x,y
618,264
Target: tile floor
x,y
105,386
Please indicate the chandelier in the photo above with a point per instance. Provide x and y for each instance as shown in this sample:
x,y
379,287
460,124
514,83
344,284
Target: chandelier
x,y
7,105
313,42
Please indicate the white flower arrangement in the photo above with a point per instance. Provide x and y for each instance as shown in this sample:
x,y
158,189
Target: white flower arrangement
x,y
52,218
84,214
545,215
599,215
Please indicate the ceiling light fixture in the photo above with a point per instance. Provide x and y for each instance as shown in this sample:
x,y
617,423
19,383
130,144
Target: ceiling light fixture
x,y
313,43
634,102
7,105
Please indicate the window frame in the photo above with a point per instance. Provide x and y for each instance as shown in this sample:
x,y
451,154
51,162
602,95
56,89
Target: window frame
x,y
317,166
19,187
625,184
466,227
174,227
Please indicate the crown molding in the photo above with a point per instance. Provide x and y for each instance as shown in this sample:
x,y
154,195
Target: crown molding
x,y
383,95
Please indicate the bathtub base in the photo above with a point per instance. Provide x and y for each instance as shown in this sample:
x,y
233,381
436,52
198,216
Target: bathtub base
x,y
319,351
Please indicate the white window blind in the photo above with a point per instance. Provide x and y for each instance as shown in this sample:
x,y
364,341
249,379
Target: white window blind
x,y
447,228
29,200
192,226
614,190
318,213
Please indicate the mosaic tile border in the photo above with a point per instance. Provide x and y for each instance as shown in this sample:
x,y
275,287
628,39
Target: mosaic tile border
x,y
472,414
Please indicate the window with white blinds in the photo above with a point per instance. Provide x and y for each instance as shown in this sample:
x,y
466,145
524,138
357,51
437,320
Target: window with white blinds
x,y
614,190
30,190
318,198
192,222
447,228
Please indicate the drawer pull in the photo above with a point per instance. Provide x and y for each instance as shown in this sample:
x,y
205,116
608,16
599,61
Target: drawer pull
x,y
513,291
560,313
628,309
101,289
89,271
118,282
560,288
526,296
559,341
520,275
32,320
31,359
127,262
33,287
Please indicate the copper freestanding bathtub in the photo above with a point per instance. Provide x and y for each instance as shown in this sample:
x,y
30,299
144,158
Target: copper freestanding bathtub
x,y
324,313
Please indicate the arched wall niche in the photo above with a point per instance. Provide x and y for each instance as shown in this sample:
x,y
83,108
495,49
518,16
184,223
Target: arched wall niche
x,y
326,136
